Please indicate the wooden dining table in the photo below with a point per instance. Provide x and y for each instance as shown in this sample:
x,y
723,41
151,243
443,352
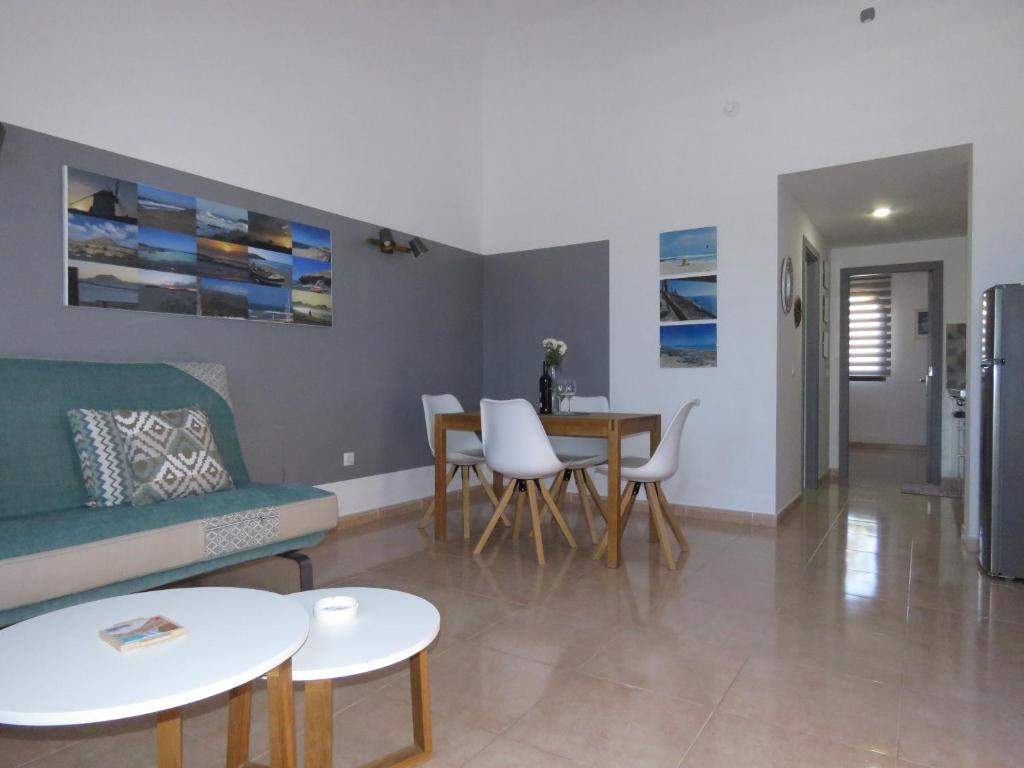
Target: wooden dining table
x,y
611,426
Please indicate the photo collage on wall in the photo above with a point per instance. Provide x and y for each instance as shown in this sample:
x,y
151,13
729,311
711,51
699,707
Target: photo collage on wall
x,y
688,297
134,246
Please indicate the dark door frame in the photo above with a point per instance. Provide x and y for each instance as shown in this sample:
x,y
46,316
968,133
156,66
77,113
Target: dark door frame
x,y
811,386
936,332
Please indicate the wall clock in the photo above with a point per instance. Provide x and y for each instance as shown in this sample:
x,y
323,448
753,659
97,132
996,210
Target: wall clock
x,y
786,285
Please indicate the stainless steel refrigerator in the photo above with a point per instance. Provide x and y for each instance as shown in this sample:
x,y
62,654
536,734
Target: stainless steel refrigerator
x,y
1002,431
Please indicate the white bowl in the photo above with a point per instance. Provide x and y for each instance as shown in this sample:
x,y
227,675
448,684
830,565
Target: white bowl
x,y
336,609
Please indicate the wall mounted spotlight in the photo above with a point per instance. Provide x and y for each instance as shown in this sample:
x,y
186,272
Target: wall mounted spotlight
x,y
418,247
385,241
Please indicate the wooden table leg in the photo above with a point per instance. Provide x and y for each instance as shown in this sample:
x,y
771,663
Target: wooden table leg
x,y
318,731
239,719
652,531
422,747
281,706
440,486
614,465
168,738
419,678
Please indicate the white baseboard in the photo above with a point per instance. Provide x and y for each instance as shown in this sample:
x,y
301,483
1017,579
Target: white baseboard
x,y
362,494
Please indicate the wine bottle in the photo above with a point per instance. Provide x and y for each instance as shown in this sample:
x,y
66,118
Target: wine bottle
x,y
545,390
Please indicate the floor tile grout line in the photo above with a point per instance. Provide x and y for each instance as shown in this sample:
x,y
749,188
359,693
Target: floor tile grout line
x,y
903,665
37,758
714,709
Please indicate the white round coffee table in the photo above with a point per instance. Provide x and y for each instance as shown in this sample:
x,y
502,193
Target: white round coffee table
x,y
57,671
388,627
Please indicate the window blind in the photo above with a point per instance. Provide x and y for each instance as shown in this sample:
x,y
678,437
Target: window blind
x,y
870,326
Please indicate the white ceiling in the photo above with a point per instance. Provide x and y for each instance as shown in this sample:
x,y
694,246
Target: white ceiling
x,y
927,192
495,17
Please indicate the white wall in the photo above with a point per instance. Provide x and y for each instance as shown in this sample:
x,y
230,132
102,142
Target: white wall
x,y
794,227
607,123
371,110
893,411
955,257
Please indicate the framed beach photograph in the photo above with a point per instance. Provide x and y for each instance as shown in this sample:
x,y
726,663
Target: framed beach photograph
x,y
689,345
166,211
269,233
688,251
217,221
689,298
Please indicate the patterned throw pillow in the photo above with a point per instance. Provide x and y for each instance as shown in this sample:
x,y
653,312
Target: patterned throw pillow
x,y
170,454
101,454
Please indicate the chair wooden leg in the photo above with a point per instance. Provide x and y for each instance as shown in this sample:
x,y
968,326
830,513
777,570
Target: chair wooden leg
x,y
465,502
581,489
652,530
625,508
494,519
563,487
520,500
658,523
556,484
538,540
490,492
595,495
430,510
677,529
557,515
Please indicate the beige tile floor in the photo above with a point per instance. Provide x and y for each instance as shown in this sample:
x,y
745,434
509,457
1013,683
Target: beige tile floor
x,y
856,634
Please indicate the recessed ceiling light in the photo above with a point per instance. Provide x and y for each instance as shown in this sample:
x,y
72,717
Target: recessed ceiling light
x,y
881,213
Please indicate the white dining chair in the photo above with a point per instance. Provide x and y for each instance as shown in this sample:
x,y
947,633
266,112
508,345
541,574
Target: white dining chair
x,y
650,474
464,452
580,454
516,445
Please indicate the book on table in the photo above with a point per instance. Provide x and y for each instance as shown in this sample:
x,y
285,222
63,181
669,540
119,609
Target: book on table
x,y
138,633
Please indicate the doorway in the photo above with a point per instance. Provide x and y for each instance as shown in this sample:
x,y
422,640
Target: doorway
x,y
931,378
812,369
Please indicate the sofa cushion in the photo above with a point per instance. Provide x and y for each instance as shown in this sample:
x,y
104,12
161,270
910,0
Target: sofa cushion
x,y
170,454
40,468
101,456
178,537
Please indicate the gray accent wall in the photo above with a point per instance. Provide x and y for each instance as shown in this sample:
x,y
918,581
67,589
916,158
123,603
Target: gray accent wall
x,y
302,395
530,295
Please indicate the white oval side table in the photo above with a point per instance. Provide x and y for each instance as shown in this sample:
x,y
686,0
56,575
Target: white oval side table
x,y
57,671
389,627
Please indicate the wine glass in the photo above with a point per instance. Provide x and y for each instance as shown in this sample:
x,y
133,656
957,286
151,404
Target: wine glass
x,y
570,390
562,387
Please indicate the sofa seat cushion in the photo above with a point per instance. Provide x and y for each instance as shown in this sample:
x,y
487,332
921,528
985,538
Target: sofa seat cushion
x,y
39,532
58,553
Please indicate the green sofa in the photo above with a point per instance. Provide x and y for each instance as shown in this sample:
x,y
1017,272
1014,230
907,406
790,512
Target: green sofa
x,y
56,551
